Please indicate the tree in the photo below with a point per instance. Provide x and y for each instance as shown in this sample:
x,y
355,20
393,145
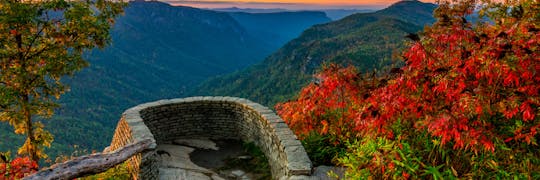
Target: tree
x,y
43,41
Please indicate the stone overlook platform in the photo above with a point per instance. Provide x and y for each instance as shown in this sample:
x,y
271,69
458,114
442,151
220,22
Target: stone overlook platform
x,y
165,121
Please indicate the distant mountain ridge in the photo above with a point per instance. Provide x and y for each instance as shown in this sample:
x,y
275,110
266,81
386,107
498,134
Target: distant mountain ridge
x,y
334,14
250,10
366,40
278,28
411,11
337,14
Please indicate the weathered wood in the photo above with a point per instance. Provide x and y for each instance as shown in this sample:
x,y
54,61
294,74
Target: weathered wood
x,y
91,164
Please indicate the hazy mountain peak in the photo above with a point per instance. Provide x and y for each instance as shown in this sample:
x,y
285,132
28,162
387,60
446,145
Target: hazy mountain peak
x,y
411,4
412,11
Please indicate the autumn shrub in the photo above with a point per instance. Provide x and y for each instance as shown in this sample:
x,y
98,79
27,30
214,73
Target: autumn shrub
x,y
324,106
464,105
473,88
321,116
16,168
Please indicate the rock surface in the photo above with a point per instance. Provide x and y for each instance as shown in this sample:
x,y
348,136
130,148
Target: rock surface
x,y
197,143
176,164
176,160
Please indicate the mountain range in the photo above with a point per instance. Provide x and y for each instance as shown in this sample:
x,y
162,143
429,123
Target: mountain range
x,y
334,14
158,51
366,40
278,28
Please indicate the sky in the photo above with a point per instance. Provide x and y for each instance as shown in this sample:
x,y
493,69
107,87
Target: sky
x,y
288,4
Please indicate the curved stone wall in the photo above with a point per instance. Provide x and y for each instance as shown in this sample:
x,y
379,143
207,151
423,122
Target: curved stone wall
x,y
211,117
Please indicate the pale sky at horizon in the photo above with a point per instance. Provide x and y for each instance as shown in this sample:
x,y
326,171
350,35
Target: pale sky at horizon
x,y
288,4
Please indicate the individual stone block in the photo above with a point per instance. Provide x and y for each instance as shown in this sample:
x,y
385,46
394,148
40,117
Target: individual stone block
x,y
298,162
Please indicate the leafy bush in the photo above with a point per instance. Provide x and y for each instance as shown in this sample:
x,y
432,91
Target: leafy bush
x,y
119,172
321,117
419,155
324,106
322,150
465,104
16,168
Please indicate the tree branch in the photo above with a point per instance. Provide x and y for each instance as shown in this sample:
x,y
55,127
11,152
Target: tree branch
x,y
36,36
91,164
47,48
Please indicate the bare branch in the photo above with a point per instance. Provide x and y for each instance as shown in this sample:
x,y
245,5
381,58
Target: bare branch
x,y
36,36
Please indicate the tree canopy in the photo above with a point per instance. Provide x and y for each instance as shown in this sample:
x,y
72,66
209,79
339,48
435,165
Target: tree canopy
x,y
42,42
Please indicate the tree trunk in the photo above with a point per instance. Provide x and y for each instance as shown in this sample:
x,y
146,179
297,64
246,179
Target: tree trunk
x,y
91,164
31,148
25,107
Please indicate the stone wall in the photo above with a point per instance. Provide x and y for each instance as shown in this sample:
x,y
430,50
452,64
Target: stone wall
x,y
212,117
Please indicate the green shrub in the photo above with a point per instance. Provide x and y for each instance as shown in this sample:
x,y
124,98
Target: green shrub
x,y
323,149
119,172
418,155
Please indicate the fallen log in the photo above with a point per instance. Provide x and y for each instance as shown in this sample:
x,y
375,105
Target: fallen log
x,y
91,164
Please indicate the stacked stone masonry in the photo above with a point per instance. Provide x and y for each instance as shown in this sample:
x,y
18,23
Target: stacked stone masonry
x,y
211,117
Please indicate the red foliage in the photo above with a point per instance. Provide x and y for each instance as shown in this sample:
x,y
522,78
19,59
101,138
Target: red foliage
x,y
469,85
325,106
18,168
466,84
